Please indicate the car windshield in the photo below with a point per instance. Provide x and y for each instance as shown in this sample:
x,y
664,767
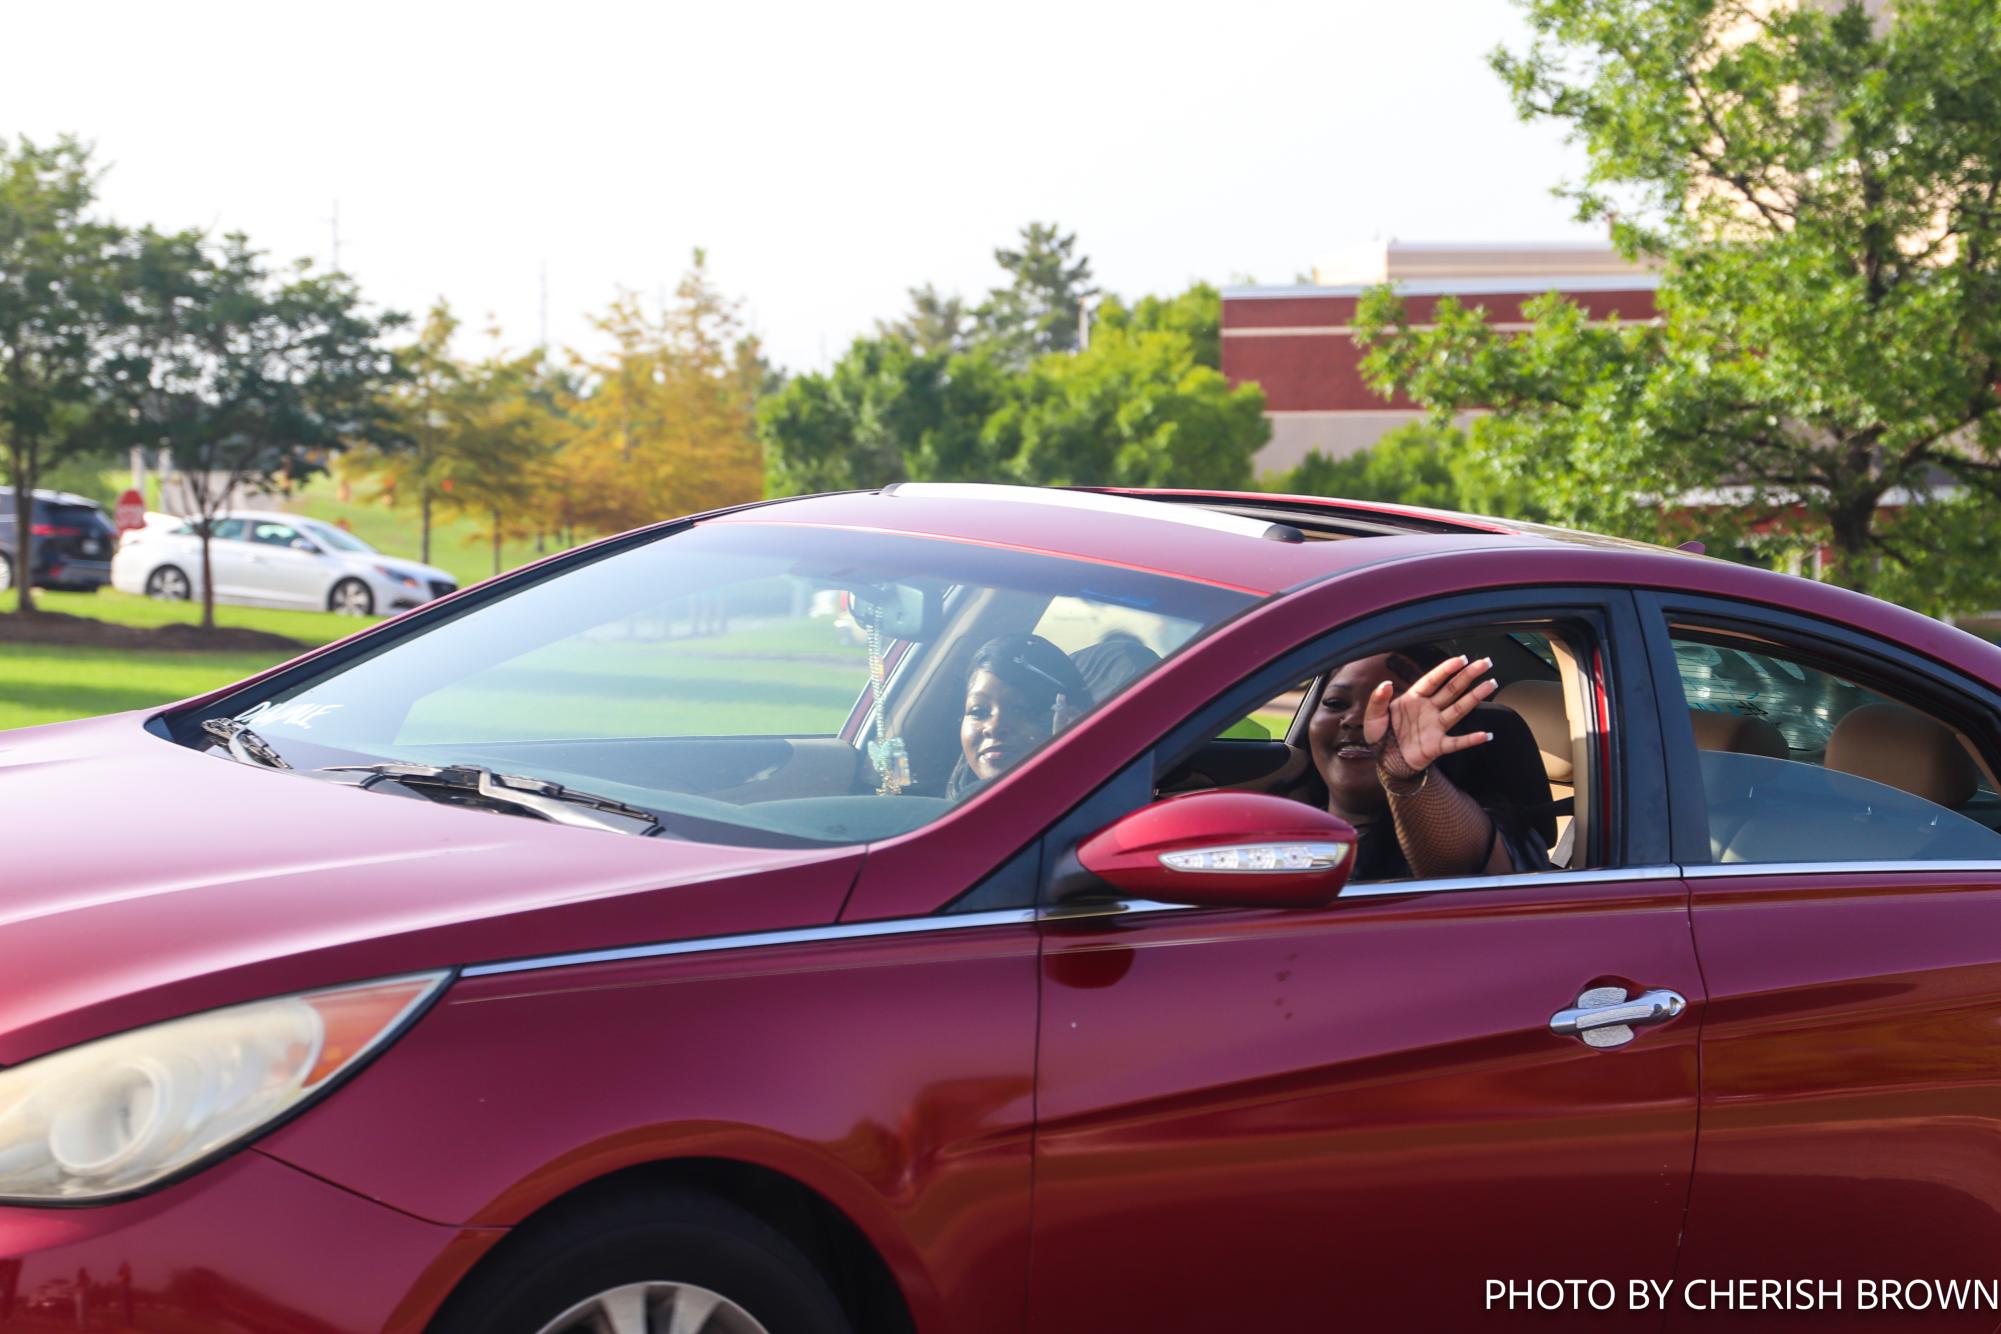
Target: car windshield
x,y
339,539
722,676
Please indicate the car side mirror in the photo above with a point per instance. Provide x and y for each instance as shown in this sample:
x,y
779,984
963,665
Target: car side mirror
x,y
1225,850
304,544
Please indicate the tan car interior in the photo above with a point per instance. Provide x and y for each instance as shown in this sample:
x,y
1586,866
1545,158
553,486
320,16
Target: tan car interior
x,y
1541,705
1904,749
1887,743
1559,713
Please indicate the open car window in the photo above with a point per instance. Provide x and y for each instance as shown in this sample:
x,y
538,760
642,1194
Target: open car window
x,y
711,676
1540,778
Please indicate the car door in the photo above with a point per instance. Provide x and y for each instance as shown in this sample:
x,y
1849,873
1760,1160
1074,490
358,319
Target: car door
x,y
284,565
1846,899
1359,1116
229,559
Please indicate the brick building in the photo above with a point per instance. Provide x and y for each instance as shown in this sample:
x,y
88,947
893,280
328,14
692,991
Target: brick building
x,y
1297,342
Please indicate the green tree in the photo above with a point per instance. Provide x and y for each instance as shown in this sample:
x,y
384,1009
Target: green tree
x,y
1144,404
502,452
1419,463
428,406
1041,308
250,374
1133,409
62,270
1823,194
885,412
935,322
1197,314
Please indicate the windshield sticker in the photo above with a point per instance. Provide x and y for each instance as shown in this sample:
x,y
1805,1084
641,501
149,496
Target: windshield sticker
x,y
297,713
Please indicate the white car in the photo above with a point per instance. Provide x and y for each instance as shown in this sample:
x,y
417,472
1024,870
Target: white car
x,y
269,559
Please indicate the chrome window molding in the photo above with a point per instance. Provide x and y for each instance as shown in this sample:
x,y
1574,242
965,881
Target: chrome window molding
x,y
1913,865
1600,875
904,926
897,926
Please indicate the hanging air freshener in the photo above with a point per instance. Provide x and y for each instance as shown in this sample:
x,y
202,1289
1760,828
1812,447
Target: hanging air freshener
x,y
886,753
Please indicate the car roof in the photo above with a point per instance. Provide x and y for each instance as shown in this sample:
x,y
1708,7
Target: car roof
x,y
1173,532
274,516
54,497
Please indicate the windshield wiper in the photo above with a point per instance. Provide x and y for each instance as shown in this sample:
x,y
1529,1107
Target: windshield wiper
x,y
538,796
245,746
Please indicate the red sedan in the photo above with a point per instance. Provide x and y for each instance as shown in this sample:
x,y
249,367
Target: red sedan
x,y
978,909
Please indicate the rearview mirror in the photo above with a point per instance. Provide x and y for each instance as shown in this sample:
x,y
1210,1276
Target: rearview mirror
x,y
903,611
1225,850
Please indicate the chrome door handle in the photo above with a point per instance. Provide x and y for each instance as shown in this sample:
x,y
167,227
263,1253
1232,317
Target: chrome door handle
x,y
1604,1017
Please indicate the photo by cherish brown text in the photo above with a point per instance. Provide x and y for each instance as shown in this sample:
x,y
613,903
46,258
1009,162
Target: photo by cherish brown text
x,y
1744,1294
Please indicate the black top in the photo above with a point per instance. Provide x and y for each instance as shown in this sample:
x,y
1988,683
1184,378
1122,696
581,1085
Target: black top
x,y
1505,776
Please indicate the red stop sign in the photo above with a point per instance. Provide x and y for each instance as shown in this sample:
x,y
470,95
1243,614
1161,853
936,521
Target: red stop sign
x,y
131,511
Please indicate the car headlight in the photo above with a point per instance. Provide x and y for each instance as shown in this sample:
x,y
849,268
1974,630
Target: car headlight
x,y
119,1114
396,576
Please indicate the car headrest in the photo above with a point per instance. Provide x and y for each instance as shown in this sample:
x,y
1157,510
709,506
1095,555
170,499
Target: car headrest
x,y
1903,749
1540,703
1739,734
1111,662
1506,771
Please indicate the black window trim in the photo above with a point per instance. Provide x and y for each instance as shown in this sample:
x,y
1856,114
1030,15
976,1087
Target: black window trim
x,y
1902,675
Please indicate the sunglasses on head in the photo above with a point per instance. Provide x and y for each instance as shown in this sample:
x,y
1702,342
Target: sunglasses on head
x,y
1027,666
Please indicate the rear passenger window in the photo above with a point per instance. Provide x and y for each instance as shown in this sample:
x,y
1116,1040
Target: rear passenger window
x,y
1800,764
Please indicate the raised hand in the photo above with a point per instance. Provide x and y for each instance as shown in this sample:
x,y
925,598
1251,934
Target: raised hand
x,y
1410,731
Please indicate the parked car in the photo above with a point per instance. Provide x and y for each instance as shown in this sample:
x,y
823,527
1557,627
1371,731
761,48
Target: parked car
x,y
72,544
265,558
568,955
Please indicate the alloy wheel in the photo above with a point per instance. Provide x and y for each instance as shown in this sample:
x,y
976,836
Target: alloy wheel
x,y
655,1308
170,584
352,598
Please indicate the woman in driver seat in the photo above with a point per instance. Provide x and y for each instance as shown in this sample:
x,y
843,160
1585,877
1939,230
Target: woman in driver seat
x,y
1382,740
1020,691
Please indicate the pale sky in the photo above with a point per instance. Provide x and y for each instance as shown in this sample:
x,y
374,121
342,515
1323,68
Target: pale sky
x,y
828,156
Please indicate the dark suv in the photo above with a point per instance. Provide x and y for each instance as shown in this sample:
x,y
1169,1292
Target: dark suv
x,y
73,543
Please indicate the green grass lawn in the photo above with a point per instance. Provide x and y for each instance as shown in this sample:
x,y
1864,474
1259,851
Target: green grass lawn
x,y
49,684
459,546
43,683
46,683
761,676
791,678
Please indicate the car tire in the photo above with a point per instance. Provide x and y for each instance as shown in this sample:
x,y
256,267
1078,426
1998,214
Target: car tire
x,y
646,1251
170,583
351,597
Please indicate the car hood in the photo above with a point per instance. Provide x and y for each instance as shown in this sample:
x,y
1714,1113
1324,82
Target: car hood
x,y
144,880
